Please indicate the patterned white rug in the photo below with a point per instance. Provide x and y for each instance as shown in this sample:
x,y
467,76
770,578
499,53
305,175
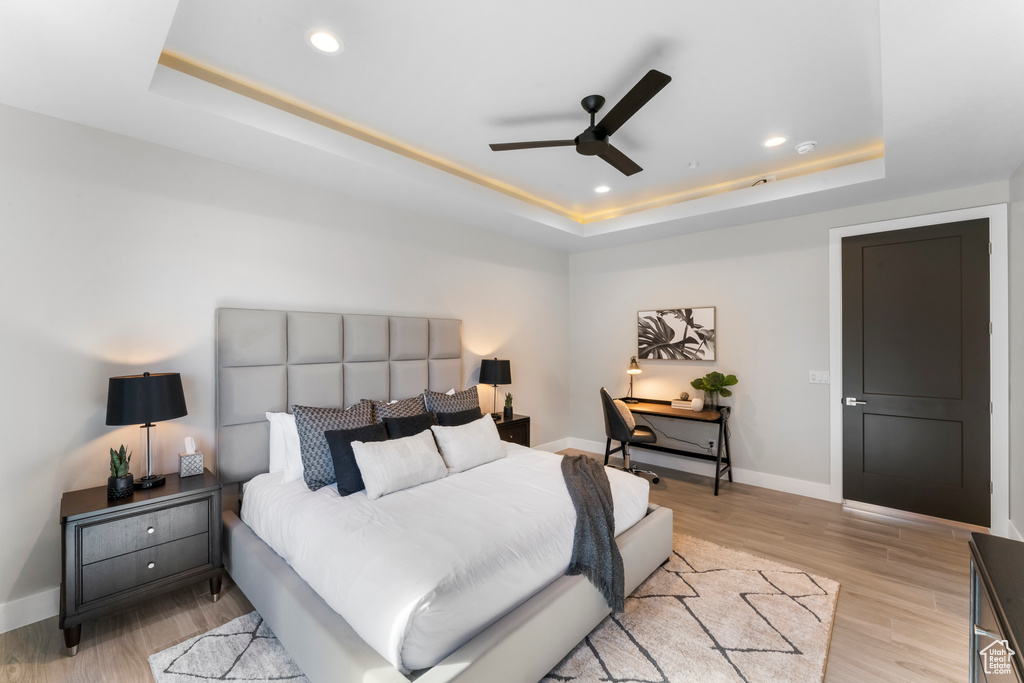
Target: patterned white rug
x,y
709,614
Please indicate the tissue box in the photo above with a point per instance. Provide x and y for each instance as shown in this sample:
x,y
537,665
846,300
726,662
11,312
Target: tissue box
x,y
190,464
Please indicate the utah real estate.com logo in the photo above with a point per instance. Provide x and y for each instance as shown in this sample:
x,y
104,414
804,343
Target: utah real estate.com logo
x,y
997,658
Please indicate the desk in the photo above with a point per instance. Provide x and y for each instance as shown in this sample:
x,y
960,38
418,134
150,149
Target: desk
x,y
722,459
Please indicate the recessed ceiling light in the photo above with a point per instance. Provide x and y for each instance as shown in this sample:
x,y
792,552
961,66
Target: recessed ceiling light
x,y
601,189
774,142
325,42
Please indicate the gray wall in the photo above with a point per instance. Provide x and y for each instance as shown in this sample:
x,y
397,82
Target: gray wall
x,y
116,254
1016,234
769,282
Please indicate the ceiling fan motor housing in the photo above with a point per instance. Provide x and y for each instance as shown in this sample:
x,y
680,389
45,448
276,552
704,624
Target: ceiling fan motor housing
x,y
591,142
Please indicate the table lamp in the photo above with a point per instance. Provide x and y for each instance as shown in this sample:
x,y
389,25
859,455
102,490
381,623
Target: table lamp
x,y
142,400
495,372
634,369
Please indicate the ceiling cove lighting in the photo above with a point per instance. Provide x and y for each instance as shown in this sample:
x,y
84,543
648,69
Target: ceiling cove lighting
x,y
774,142
325,42
601,189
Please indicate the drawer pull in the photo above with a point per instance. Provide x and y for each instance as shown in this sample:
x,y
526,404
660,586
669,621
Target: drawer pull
x,y
151,565
979,631
150,530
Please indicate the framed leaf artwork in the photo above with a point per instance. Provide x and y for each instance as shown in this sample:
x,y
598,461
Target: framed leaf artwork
x,y
676,334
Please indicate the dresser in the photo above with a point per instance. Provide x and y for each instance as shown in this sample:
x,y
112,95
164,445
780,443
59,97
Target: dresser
x,y
116,553
997,609
515,429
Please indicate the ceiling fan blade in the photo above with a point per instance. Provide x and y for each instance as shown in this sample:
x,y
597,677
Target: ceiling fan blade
x,y
620,161
641,93
505,146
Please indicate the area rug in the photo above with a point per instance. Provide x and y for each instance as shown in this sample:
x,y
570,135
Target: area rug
x,y
242,651
711,614
708,614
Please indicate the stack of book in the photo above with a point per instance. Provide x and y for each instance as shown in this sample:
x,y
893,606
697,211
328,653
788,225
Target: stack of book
x,y
683,405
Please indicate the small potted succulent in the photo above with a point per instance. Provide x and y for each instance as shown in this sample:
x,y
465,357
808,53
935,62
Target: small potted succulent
x,y
120,484
714,385
507,414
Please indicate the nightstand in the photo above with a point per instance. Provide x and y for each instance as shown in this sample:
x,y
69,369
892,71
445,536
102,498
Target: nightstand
x,y
119,552
515,429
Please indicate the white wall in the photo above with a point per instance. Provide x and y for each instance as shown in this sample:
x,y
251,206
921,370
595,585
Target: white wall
x,y
1016,235
116,254
769,282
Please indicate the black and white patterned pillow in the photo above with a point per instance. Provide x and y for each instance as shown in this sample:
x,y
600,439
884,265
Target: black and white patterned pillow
x,y
311,423
407,407
451,403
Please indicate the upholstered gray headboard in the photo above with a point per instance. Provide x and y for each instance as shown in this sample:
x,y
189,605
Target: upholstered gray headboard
x,y
272,360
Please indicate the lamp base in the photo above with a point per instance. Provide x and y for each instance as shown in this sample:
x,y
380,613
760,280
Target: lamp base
x,y
630,400
150,481
496,416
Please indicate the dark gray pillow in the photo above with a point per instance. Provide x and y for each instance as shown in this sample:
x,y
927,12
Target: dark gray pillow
x,y
407,407
311,423
460,418
400,427
437,402
345,468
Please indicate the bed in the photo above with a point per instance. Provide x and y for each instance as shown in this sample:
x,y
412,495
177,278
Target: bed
x,y
269,360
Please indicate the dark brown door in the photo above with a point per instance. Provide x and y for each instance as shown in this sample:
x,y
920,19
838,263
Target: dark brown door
x,y
916,370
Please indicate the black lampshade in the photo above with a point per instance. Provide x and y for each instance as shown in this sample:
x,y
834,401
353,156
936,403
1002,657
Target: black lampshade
x,y
495,372
146,398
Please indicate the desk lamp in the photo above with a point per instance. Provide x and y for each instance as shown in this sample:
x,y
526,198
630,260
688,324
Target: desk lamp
x,y
634,369
495,372
142,400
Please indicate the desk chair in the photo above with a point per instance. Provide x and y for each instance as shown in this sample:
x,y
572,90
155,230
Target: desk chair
x,y
616,428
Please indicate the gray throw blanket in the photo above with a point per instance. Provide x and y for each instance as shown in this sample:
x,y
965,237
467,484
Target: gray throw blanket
x,y
594,552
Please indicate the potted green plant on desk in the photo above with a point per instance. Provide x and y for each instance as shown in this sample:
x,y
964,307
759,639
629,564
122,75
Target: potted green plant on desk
x,y
714,384
120,484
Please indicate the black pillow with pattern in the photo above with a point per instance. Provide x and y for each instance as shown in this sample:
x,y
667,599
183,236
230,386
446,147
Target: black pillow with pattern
x,y
407,407
458,402
401,427
311,423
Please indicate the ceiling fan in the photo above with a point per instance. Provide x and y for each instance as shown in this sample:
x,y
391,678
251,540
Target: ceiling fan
x,y
594,140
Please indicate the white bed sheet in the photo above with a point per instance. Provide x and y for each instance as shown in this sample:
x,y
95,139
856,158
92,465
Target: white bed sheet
x,y
419,572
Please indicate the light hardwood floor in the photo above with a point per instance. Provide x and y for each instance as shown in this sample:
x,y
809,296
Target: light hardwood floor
x,y
902,612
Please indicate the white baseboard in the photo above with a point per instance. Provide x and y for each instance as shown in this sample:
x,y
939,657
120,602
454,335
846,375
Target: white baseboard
x,y
28,610
800,487
555,446
1014,533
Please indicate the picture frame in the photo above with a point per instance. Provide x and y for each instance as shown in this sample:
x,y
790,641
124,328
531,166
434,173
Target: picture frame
x,y
677,334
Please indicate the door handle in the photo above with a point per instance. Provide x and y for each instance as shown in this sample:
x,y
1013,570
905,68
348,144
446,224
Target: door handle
x,y
979,631
850,401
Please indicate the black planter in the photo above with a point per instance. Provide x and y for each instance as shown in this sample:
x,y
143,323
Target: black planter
x,y
120,487
507,414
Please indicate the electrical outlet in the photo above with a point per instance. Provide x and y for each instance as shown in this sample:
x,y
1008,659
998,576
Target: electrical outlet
x,y
711,446
819,376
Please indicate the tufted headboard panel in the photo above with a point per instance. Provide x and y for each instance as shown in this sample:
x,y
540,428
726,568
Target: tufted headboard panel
x,y
268,361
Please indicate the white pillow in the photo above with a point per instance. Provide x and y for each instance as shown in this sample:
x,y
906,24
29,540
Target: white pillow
x,y
396,464
285,449
627,415
469,445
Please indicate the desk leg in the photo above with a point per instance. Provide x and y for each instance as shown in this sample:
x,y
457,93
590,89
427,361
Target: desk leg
x,y
728,450
718,460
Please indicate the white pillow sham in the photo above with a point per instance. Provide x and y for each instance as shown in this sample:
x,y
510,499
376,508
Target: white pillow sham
x,y
285,449
396,464
469,445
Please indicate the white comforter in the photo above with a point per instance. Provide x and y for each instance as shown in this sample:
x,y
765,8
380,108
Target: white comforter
x,y
419,572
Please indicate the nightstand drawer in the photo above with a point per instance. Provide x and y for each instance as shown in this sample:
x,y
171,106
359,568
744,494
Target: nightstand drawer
x,y
519,434
126,535
120,573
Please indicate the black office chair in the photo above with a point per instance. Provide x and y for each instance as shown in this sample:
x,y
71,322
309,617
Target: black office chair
x,y
616,428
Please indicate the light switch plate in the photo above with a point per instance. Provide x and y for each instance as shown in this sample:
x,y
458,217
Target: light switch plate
x,y
819,376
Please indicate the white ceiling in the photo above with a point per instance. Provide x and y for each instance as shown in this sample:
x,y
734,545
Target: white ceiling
x,y
938,86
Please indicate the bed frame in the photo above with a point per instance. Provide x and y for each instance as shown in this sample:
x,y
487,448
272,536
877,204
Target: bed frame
x,y
271,360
